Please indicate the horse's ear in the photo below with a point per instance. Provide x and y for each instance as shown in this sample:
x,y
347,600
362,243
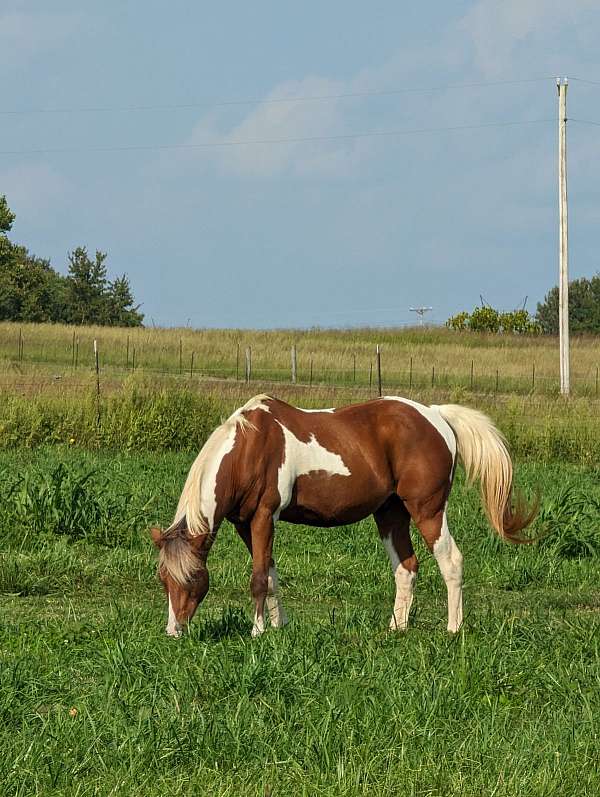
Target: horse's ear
x,y
157,537
197,541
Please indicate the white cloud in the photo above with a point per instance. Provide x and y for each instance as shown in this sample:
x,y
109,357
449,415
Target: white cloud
x,y
275,120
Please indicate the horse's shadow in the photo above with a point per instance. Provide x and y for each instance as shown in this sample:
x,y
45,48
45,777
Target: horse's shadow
x,y
230,623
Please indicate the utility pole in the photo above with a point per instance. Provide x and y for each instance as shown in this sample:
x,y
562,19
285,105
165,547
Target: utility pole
x,y
420,311
563,239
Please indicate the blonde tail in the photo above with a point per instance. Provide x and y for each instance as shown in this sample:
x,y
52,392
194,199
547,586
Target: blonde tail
x,y
484,455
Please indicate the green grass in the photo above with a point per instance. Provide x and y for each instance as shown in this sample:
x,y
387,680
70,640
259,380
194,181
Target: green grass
x,y
95,700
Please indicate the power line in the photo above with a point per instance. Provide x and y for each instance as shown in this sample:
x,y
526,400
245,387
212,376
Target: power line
x,y
584,122
273,100
252,142
584,80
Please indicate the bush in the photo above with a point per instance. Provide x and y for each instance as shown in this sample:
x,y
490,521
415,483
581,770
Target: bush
x,y
68,503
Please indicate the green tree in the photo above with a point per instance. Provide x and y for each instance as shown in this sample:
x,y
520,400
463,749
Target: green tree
x,y
31,290
6,216
584,307
87,288
122,310
459,321
484,319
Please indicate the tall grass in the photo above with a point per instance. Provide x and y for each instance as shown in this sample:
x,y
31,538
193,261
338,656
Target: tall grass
x,y
502,363
145,416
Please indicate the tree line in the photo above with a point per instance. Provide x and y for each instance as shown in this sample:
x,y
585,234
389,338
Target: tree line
x,y
31,290
584,313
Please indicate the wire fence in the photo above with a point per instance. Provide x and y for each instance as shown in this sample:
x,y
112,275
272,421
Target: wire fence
x,y
375,376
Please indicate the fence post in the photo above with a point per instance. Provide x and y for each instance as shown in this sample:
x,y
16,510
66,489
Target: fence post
x,y
432,375
97,365
370,374
496,380
73,351
237,363
192,365
596,380
20,352
127,355
248,364
354,368
180,356
294,364
133,359
410,375
378,352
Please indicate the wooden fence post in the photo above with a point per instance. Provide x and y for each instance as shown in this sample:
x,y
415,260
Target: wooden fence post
x,y
378,352
180,356
192,365
370,374
294,364
410,374
248,364
127,354
354,368
97,365
432,375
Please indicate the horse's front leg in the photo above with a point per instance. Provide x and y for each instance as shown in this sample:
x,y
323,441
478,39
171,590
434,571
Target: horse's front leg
x,y
277,614
261,528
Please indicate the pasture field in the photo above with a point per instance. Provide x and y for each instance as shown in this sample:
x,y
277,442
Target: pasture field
x,y
96,700
411,357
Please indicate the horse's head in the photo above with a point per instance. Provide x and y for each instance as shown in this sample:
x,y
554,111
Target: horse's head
x,y
183,572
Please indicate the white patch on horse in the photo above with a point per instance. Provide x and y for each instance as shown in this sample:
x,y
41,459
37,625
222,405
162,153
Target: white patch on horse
x,y
173,627
405,583
450,563
208,487
434,417
275,608
258,627
255,403
300,459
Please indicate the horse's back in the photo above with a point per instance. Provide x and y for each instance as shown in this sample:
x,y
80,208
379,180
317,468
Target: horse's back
x,y
335,466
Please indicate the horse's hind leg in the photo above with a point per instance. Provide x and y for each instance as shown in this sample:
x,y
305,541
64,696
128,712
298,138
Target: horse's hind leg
x,y
433,525
393,523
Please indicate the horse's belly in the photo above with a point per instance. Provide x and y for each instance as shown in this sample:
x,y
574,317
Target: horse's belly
x,y
332,501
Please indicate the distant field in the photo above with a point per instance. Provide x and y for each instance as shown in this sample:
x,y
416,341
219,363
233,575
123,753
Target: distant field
x,y
96,700
416,358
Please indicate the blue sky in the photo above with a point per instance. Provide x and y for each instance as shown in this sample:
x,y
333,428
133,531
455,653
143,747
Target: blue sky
x,y
335,231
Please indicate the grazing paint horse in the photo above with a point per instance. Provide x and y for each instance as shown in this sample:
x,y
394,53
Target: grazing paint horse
x,y
391,458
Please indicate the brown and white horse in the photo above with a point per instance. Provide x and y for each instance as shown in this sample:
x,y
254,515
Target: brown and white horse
x,y
391,457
